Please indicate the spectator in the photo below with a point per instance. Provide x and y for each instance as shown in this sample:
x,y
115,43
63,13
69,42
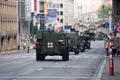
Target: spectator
x,y
106,47
114,46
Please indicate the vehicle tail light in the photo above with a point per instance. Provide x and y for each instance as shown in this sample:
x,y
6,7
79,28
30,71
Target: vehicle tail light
x,y
61,42
36,43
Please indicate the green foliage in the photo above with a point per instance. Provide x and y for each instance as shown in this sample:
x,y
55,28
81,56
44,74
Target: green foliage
x,y
104,10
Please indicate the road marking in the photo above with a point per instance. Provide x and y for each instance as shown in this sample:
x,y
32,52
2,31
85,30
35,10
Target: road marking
x,y
79,67
101,71
44,77
40,69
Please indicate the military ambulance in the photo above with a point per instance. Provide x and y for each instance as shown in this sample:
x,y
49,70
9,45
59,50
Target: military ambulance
x,y
51,43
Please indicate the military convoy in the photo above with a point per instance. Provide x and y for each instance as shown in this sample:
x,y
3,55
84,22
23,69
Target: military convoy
x,y
51,43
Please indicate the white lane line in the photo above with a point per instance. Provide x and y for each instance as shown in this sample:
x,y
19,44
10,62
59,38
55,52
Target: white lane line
x,y
101,71
44,77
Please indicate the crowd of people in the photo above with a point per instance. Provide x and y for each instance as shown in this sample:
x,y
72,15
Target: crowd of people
x,y
114,47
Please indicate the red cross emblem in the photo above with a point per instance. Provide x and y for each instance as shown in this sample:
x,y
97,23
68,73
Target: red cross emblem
x,y
50,45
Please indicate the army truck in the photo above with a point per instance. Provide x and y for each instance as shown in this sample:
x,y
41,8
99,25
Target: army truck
x,y
87,41
51,43
73,43
82,43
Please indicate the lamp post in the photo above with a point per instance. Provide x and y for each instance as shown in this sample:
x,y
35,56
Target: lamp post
x,y
110,18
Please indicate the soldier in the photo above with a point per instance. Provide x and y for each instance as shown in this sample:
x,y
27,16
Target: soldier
x,y
28,46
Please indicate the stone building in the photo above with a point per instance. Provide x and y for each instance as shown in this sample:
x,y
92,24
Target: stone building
x,y
116,11
8,25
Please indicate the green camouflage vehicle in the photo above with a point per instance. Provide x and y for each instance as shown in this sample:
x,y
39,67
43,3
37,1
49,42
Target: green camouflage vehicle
x,y
87,41
73,42
82,43
51,43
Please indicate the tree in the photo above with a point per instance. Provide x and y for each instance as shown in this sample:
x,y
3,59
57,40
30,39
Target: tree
x,y
103,11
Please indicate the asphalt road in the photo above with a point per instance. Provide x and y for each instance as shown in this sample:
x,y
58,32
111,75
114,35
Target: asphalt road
x,y
87,65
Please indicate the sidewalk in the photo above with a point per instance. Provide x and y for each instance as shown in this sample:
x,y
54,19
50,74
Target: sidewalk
x,y
15,51
10,52
106,76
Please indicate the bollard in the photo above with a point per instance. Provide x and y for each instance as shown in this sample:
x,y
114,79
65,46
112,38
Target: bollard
x,y
111,66
111,61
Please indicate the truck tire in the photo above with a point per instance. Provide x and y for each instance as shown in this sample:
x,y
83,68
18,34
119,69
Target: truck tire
x,y
83,50
65,56
42,57
76,51
38,52
37,56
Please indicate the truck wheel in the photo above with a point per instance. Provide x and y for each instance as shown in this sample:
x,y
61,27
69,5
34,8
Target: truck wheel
x,y
42,57
76,52
65,56
88,47
37,56
83,50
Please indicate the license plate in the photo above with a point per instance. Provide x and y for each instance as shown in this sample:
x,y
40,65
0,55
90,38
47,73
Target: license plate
x,y
74,46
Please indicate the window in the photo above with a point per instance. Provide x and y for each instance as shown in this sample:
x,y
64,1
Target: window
x,y
41,9
118,7
58,19
53,5
22,10
61,20
61,5
57,5
61,12
57,12
50,5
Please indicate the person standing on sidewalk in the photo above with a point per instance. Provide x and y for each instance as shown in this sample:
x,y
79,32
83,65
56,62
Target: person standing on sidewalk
x,y
28,46
114,47
106,47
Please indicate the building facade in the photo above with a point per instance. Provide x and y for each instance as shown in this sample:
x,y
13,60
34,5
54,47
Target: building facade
x,y
24,17
8,24
65,11
116,11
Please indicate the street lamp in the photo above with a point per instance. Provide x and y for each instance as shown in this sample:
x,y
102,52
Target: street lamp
x,y
110,18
